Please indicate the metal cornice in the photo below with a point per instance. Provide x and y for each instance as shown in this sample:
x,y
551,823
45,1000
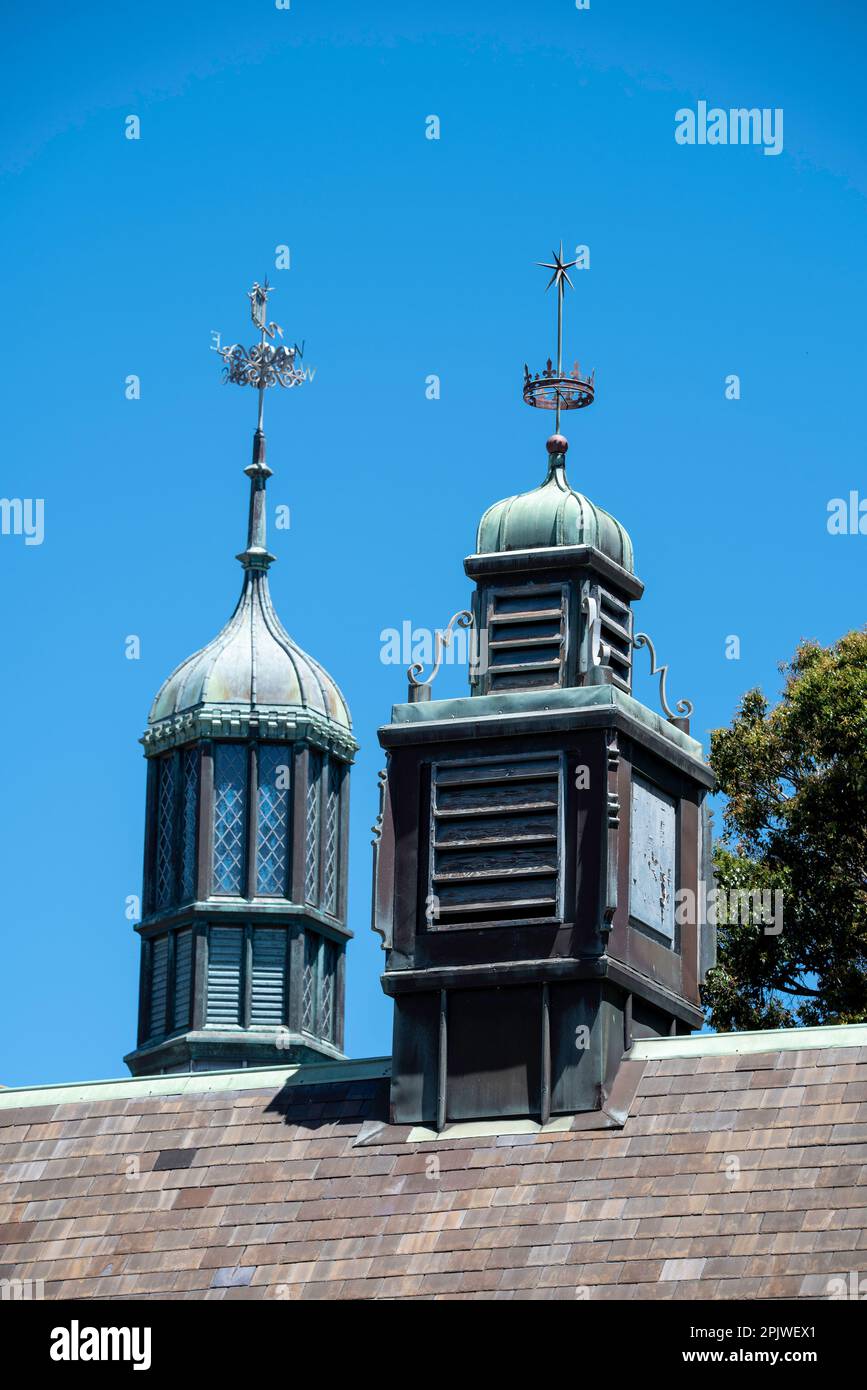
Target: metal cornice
x,y
527,722
549,557
292,724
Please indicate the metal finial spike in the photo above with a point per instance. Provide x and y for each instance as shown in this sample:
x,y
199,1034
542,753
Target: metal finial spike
x,y
559,267
260,366
550,389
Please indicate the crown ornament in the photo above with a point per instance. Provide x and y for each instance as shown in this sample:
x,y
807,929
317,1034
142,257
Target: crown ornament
x,y
554,389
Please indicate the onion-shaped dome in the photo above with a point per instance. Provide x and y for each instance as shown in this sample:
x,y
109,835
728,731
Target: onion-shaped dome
x,y
252,668
553,514
252,661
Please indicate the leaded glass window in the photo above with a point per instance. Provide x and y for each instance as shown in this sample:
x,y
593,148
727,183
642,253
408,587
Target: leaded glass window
x,y
308,994
230,796
165,858
311,861
319,990
272,827
189,816
327,988
331,837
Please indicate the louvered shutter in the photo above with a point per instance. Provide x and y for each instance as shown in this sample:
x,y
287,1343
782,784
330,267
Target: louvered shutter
x,y
526,637
616,632
269,972
495,842
183,976
225,946
159,986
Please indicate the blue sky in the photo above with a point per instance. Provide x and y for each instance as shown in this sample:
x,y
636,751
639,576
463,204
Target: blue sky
x,y
409,257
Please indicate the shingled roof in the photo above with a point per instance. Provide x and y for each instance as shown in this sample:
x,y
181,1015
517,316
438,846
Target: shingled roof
x,y
740,1170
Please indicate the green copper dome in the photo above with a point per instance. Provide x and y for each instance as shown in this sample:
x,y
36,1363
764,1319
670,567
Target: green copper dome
x,y
551,515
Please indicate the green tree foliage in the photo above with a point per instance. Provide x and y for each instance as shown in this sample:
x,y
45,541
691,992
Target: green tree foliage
x,y
795,820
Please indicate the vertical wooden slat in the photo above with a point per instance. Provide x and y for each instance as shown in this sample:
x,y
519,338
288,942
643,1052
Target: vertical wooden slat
x,y
199,976
299,823
177,824
206,821
247,976
252,817
339,998
148,868
343,847
442,1062
170,981
295,966
144,993
545,1070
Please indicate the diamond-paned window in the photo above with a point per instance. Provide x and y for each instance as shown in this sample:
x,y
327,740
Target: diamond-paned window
x,y
311,842
272,830
319,988
230,795
309,988
189,816
331,836
327,988
165,865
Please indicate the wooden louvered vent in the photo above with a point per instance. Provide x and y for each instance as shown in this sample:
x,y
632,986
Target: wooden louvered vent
x,y
269,971
616,632
526,644
159,986
224,976
495,842
183,978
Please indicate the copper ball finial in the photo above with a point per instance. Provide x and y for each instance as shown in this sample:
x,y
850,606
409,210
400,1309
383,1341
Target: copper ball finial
x,y
557,444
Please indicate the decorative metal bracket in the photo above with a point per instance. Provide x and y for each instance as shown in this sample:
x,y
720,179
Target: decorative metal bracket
x,y
685,708
418,689
598,652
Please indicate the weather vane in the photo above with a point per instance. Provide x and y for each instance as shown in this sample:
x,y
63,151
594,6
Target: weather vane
x,y
551,390
265,363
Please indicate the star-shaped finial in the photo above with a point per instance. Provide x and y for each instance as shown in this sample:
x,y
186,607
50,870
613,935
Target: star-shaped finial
x,y
559,267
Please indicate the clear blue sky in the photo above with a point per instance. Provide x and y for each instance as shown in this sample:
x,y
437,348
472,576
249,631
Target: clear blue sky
x,y
409,257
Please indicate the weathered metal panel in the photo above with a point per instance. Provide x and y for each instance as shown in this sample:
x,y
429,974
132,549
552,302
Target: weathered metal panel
x,y
575,1062
653,854
494,1052
416,1031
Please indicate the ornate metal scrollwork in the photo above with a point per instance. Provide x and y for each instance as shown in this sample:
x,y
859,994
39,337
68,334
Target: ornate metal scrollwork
x,y
685,708
261,366
420,689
